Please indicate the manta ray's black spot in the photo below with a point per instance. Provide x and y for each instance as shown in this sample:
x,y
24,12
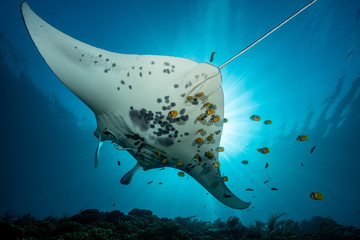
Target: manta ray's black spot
x,y
100,55
79,60
149,72
184,118
186,134
95,62
167,100
164,108
172,66
166,97
128,74
140,74
140,68
114,64
152,125
122,82
182,111
166,142
196,76
176,85
172,70
168,71
159,100
213,106
178,140
152,62
164,70
131,107
75,47
130,87
138,119
186,86
106,70
166,64
118,88
183,95
172,104
133,67
107,59
82,55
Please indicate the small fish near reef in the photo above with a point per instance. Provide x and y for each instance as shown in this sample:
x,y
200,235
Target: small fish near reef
x,y
268,122
249,189
245,162
266,165
274,189
255,118
316,196
302,138
312,149
212,56
263,150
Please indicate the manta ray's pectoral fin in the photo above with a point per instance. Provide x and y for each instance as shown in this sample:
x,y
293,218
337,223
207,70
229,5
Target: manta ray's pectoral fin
x,y
97,153
126,179
210,178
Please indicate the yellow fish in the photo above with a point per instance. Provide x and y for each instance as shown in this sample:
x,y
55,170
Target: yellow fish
x,y
263,150
255,118
181,174
302,138
225,179
316,195
267,122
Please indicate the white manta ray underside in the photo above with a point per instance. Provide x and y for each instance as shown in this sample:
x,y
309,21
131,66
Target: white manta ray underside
x,y
166,111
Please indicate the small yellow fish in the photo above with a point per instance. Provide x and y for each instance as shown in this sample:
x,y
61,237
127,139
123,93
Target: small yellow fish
x,y
317,196
173,113
255,118
209,111
200,118
181,174
215,119
164,160
212,56
200,94
263,150
179,163
158,153
302,138
216,164
189,98
209,154
245,162
218,131
209,138
206,104
267,122
220,149
199,140
225,179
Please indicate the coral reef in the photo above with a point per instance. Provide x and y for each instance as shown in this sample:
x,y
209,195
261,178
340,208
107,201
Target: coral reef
x,y
91,224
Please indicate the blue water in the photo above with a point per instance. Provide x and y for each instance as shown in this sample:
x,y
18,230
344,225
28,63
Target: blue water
x,y
305,77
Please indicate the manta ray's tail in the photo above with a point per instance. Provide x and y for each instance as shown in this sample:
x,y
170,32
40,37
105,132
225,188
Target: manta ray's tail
x,y
267,34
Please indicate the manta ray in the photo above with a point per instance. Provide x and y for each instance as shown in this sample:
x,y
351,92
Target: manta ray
x,y
165,111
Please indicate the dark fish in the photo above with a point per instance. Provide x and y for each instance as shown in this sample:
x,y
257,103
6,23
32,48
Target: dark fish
x,y
249,189
212,56
266,165
190,217
160,183
149,182
313,148
302,164
118,163
207,193
266,181
161,169
113,204
227,196
189,164
274,189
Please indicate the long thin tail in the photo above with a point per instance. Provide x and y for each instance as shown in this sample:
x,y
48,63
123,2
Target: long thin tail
x,y
267,34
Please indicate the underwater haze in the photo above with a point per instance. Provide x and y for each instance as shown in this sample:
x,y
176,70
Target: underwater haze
x,y
304,77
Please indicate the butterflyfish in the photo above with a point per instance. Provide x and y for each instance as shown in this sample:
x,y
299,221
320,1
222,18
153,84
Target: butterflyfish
x,y
302,138
316,195
267,122
263,150
255,118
